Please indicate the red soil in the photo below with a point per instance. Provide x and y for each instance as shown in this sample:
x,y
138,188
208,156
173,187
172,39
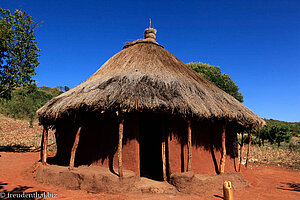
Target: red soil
x,y
266,182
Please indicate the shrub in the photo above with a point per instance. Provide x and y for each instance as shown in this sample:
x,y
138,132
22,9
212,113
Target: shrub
x,y
26,101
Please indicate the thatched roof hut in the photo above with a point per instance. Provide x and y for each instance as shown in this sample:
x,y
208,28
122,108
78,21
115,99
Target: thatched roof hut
x,y
144,77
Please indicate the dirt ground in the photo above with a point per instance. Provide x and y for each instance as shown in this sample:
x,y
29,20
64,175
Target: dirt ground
x,y
266,182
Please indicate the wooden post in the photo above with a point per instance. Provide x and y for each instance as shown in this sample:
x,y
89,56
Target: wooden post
x,y
241,152
74,148
248,152
189,145
44,146
223,152
163,150
167,157
121,125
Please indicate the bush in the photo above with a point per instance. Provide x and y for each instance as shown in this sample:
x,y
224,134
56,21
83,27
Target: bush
x,y
280,133
26,101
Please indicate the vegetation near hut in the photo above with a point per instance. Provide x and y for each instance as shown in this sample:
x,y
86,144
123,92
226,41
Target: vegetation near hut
x,y
214,75
277,132
24,101
19,51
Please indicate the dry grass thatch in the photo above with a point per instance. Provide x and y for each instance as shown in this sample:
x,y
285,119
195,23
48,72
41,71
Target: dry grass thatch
x,y
146,77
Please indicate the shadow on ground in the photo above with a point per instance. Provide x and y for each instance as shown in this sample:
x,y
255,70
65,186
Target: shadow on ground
x,y
15,148
218,196
290,186
20,190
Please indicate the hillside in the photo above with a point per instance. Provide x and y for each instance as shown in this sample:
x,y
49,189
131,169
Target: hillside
x,y
294,126
25,101
16,135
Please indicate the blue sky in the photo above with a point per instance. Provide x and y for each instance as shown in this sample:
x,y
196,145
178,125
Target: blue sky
x,y
257,43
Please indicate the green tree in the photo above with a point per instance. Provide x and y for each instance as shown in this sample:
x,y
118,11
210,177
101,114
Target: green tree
x,y
66,88
280,132
19,51
264,134
214,74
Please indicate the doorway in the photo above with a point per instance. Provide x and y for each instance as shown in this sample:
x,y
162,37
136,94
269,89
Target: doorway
x,y
150,137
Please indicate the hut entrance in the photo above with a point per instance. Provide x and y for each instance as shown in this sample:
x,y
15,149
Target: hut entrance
x,y
150,146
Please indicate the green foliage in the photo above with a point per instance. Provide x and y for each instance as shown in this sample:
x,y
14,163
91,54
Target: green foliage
x,y
25,101
66,88
62,88
214,75
280,133
294,126
274,133
264,134
19,51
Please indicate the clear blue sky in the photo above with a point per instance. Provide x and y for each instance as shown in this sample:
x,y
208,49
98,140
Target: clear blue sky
x,y
257,43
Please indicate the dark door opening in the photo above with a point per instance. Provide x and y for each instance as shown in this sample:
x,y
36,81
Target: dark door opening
x,y
150,146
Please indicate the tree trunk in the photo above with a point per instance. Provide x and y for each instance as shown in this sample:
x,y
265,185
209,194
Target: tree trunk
x,y
223,152
241,152
189,145
248,152
74,148
121,125
44,146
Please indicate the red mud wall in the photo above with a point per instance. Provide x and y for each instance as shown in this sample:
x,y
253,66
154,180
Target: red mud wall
x,y
130,158
202,162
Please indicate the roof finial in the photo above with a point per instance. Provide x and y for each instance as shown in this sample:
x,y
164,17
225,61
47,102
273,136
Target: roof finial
x,y
150,32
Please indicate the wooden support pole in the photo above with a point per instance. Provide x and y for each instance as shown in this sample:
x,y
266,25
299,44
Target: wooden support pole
x,y
44,145
241,152
248,152
167,157
74,148
163,150
223,152
120,144
189,145
163,145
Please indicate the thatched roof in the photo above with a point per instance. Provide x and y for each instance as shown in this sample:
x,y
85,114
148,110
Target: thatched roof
x,y
146,77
